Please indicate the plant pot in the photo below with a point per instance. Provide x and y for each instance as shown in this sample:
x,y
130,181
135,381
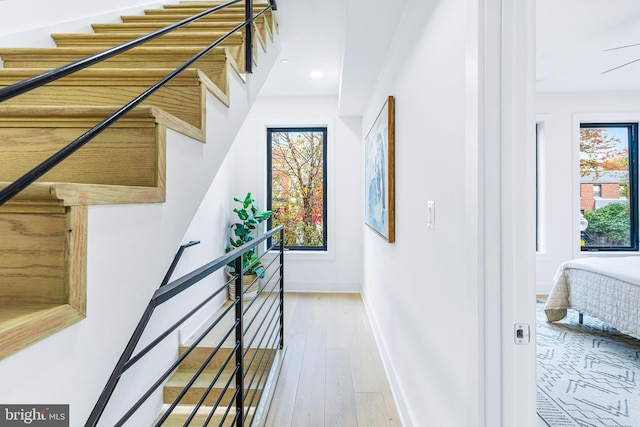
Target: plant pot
x,y
250,288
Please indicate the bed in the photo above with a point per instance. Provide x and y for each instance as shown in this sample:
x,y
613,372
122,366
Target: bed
x,y
606,288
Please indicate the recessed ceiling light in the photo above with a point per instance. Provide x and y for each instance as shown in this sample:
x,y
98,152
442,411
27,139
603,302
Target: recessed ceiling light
x,y
284,60
316,74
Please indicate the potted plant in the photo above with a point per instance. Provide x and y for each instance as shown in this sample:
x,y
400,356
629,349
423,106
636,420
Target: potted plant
x,y
243,231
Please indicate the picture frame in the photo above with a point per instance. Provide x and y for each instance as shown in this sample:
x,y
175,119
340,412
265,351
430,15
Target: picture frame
x,y
379,172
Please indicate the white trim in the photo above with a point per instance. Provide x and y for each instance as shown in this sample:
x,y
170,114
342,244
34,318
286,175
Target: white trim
x,y
506,209
475,398
321,287
545,122
399,396
517,208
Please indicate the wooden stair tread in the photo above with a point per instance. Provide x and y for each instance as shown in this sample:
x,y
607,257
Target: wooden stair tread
x,y
178,16
71,116
147,27
141,57
119,76
180,414
181,378
78,194
172,39
211,4
198,355
195,9
21,326
207,27
12,312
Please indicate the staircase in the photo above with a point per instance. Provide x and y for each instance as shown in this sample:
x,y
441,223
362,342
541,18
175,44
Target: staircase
x,y
44,229
258,361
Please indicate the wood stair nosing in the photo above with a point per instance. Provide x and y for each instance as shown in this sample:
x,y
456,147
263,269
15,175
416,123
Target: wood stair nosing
x,y
194,394
210,4
31,134
234,44
214,64
178,16
185,12
176,384
181,413
193,8
184,97
260,26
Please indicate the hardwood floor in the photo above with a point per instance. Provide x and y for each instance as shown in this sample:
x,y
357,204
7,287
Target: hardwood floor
x,y
332,373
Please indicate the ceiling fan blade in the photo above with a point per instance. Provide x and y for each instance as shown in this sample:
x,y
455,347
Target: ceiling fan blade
x,y
620,66
622,47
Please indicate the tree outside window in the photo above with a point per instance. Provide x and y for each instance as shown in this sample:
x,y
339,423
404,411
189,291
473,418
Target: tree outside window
x,y
297,185
608,191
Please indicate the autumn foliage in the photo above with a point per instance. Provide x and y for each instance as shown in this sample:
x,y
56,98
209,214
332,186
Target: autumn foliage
x,y
297,176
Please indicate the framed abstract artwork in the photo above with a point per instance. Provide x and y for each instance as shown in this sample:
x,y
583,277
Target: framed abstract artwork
x,y
379,173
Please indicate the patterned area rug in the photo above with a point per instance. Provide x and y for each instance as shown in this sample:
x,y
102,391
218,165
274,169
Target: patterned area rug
x,y
588,375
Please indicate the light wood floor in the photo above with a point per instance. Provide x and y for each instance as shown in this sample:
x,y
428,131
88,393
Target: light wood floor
x,y
332,374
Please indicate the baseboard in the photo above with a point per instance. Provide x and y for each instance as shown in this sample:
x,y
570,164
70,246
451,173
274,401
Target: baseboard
x,y
399,397
323,287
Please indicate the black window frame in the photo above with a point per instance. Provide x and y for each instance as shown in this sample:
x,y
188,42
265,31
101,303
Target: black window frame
x,y
323,129
632,129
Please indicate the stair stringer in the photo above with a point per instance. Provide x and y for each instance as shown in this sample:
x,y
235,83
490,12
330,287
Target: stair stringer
x,y
129,249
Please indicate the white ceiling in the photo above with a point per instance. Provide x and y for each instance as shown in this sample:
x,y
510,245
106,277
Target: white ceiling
x,y
348,39
312,37
572,36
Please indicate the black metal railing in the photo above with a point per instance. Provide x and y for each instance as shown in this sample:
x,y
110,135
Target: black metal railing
x,y
176,260
37,81
257,330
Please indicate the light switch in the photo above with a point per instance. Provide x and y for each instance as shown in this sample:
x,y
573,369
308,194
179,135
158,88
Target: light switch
x,y
431,215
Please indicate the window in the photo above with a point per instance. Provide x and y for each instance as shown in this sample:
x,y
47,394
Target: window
x,y
597,190
297,185
539,172
608,186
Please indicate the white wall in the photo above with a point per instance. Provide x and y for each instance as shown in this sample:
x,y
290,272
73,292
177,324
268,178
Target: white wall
x,y
424,311
32,28
339,269
561,113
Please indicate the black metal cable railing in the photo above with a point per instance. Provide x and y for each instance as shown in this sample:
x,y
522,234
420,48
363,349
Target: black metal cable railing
x,y
248,378
37,81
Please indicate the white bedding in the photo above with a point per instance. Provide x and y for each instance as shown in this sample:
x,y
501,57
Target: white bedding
x,y
607,288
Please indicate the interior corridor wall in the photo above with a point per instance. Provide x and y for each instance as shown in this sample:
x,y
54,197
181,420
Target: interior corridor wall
x,y
339,269
28,24
560,113
423,310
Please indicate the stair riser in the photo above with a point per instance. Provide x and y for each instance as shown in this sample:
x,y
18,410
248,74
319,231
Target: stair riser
x,y
184,102
197,357
213,64
133,154
205,28
235,45
32,256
